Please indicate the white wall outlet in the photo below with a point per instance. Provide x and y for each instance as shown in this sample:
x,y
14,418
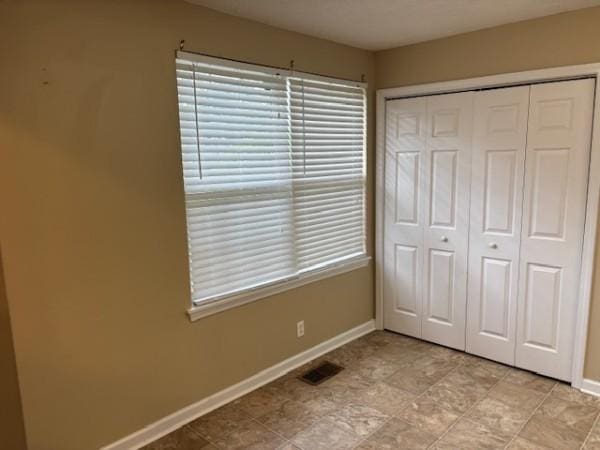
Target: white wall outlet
x,y
300,328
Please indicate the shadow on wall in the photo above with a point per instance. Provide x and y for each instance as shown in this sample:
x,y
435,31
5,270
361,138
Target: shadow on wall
x,y
11,415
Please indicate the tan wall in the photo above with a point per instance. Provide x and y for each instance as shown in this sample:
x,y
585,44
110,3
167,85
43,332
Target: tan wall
x,y
12,432
92,225
560,40
563,39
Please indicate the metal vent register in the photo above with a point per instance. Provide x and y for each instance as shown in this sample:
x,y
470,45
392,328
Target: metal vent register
x,y
322,372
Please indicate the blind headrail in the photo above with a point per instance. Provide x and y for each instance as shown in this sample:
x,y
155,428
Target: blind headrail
x,y
289,71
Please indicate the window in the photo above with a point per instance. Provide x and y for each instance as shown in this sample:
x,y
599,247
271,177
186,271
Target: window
x,y
274,174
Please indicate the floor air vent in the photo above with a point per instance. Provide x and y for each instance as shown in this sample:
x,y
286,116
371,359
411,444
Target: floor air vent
x,y
321,373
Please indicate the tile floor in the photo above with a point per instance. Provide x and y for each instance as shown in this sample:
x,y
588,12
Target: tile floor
x,y
395,393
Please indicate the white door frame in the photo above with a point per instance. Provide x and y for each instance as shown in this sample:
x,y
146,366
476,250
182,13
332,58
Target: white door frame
x,y
593,194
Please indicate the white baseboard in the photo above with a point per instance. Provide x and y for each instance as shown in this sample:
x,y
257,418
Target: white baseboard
x,y
590,387
179,418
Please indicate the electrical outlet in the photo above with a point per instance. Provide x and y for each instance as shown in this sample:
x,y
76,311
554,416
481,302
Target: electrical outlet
x,y
300,328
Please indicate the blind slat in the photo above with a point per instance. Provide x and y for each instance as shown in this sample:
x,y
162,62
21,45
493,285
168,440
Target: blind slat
x,y
274,174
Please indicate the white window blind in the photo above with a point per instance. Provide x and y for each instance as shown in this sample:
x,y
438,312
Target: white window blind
x,y
274,173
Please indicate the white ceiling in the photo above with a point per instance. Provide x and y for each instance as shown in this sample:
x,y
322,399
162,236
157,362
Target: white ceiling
x,y
381,24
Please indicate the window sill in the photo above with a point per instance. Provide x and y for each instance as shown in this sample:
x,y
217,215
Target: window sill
x,y
200,311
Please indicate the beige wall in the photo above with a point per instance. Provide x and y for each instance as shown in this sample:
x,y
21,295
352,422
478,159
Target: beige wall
x,y
12,432
563,39
92,225
560,40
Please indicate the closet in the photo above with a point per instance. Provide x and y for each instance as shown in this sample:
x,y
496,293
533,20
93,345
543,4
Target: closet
x,y
484,209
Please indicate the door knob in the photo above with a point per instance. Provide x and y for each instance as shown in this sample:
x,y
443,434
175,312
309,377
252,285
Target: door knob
x,y
444,239
493,245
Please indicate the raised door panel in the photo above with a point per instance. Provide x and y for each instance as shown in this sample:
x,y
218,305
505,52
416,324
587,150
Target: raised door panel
x,y
499,141
443,188
406,268
403,232
495,293
543,298
406,181
558,146
499,191
550,177
446,169
441,287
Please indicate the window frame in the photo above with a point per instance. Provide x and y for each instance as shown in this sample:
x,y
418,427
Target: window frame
x,y
253,293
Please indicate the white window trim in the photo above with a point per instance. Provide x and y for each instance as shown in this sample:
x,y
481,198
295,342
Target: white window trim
x,y
251,295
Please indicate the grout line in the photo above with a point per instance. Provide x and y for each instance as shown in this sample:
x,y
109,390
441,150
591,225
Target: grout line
x,y
483,396
361,441
587,437
531,415
285,440
197,434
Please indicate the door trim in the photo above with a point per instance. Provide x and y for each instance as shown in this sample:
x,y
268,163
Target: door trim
x,y
593,192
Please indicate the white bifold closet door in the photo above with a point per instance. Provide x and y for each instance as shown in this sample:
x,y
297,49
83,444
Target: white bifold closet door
x,y
403,229
447,167
428,145
498,163
556,176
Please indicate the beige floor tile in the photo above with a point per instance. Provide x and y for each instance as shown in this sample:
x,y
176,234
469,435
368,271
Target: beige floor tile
x,y
498,415
440,352
417,376
219,422
350,354
552,433
324,401
411,381
399,340
289,418
374,368
470,378
454,397
397,354
579,416
565,391
324,435
593,440
351,380
251,436
182,439
397,434
482,372
516,396
468,435
422,346
519,443
318,399
341,390
359,419
379,338
385,398
288,446
428,416
530,380
291,387
260,402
